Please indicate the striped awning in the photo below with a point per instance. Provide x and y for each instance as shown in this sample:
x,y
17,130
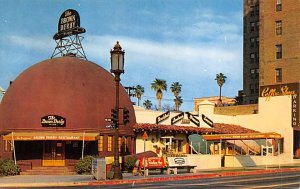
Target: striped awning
x,y
27,136
243,136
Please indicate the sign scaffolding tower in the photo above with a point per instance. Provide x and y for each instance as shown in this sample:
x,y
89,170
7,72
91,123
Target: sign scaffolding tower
x,y
68,40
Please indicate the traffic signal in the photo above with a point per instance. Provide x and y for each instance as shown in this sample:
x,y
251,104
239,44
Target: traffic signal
x,y
125,116
114,115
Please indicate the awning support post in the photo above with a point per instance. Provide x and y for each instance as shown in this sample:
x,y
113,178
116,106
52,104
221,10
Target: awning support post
x,y
82,153
266,152
13,143
220,149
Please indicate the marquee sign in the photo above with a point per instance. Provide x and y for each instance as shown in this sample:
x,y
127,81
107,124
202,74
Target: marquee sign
x,y
162,117
68,24
53,121
281,90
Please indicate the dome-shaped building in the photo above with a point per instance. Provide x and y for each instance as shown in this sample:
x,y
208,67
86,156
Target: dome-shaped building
x,y
55,112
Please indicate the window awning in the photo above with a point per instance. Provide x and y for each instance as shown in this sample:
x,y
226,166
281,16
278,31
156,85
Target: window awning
x,y
26,136
245,136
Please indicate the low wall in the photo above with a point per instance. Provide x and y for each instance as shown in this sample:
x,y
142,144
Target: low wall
x,y
205,161
251,161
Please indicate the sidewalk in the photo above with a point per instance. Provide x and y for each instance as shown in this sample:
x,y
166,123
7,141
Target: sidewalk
x,y
85,180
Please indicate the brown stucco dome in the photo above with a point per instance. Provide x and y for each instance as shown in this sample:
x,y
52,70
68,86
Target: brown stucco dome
x,y
78,90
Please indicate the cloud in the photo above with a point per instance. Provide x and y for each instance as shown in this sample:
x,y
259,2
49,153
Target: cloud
x,y
190,58
32,42
194,63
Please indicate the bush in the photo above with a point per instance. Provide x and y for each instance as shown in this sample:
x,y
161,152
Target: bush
x,y
8,167
84,166
130,163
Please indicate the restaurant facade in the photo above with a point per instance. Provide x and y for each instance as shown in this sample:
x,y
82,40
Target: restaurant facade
x,y
55,112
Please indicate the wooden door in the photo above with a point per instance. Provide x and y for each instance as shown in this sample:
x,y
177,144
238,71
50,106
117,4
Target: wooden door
x,y
54,153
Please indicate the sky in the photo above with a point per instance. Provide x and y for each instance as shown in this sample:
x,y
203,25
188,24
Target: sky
x,y
185,41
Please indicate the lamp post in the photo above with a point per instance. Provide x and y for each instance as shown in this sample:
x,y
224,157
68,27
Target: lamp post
x,y
117,68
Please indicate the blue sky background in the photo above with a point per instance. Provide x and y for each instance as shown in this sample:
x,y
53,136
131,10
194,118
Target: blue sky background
x,y
188,41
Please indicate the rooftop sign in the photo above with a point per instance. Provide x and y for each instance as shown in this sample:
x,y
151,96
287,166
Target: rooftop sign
x,y
68,24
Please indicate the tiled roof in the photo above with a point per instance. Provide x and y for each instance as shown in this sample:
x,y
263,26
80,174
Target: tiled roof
x,y
218,128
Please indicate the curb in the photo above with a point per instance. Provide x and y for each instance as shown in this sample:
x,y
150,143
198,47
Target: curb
x,y
149,180
190,177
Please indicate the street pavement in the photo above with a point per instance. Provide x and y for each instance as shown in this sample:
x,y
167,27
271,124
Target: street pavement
x,y
154,176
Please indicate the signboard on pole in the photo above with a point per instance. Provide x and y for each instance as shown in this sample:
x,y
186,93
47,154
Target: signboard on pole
x,y
145,136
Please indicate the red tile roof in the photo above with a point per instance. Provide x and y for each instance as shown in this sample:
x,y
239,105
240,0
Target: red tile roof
x,y
218,128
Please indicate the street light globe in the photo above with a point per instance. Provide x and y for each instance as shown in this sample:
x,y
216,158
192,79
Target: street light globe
x,y
117,59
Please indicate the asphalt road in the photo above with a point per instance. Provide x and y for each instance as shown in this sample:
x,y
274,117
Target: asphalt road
x,y
270,180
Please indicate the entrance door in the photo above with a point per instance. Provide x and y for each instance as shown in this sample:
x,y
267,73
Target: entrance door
x,y
54,153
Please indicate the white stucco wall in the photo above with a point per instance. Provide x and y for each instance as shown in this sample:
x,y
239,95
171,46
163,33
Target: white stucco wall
x,y
205,161
251,161
274,115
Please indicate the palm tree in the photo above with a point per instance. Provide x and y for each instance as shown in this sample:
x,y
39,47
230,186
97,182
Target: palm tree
x,y
178,101
176,89
221,78
139,91
159,85
147,104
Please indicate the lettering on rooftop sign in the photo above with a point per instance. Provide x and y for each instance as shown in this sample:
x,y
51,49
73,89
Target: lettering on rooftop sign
x,y
53,121
207,120
177,118
68,24
162,117
193,119
291,89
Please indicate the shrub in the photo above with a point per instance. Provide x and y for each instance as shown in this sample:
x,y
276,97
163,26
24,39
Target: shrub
x,y
130,163
8,167
84,166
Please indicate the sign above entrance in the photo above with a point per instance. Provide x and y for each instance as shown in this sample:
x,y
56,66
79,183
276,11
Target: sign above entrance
x,y
53,121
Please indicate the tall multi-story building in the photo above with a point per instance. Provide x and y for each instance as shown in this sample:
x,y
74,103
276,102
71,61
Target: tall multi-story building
x,y
279,42
251,52
272,54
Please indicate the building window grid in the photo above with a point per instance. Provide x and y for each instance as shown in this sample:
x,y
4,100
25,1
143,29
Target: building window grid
x,y
252,10
251,89
252,73
252,41
257,9
257,26
252,26
278,5
278,51
279,27
278,74
119,143
256,88
100,144
109,143
257,73
252,57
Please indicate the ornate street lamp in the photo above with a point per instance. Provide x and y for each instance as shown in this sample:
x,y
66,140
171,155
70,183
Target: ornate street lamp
x,y
117,68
